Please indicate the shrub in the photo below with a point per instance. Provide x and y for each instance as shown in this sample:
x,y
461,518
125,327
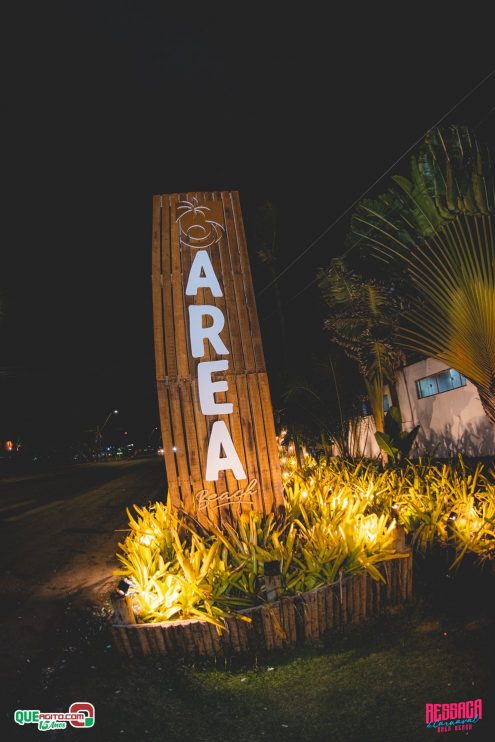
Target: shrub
x,y
340,517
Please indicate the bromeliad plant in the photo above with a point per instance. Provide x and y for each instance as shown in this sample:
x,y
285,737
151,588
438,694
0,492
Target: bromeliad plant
x,y
449,505
329,530
176,573
474,526
394,441
340,517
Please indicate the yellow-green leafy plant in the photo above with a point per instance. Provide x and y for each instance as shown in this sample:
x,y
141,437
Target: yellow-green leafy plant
x,y
473,525
197,581
340,518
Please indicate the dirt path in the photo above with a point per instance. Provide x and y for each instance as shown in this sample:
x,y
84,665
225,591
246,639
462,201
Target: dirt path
x,y
59,535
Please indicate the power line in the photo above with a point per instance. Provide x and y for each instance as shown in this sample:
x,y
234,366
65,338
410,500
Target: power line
x,y
356,201
355,244
291,298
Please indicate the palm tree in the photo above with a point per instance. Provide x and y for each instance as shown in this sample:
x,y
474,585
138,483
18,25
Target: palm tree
x,y
363,315
437,227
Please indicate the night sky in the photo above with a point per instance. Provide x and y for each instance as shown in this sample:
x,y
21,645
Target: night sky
x,y
107,103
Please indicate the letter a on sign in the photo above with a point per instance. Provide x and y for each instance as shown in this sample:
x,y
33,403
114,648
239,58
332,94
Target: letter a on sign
x,y
216,414
202,276
220,439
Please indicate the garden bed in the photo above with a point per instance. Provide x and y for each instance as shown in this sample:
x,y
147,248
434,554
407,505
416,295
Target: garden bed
x,y
287,622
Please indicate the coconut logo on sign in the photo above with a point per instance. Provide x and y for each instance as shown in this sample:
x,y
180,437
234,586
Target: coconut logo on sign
x,y
206,322
196,230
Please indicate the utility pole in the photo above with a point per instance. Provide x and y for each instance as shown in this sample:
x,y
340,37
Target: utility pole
x,y
99,432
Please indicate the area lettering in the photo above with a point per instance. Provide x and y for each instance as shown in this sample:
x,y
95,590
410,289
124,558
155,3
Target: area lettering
x,y
206,322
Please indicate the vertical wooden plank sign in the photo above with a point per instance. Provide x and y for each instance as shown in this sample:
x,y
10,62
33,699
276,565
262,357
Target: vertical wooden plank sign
x,y
216,414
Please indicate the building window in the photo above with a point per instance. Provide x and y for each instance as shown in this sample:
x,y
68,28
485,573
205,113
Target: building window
x,y
444,381
366,409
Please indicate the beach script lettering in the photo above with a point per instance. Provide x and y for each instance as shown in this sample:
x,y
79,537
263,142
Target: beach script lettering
x,y
210,500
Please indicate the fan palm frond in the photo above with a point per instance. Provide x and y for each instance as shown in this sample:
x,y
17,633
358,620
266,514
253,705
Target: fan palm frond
x,y
438,227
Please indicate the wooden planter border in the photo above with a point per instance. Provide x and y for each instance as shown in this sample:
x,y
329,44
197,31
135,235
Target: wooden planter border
x,y
299,619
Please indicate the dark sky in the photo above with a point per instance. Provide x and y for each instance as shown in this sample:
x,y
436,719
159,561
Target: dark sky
x,y
110,102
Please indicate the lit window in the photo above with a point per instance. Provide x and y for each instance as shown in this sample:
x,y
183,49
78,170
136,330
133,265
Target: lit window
x,y
444,381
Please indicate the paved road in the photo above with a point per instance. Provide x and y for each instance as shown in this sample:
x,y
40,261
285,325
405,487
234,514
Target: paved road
x,y
59,534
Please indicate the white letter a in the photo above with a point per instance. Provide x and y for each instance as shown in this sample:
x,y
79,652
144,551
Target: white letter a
x,y
202,265
220,438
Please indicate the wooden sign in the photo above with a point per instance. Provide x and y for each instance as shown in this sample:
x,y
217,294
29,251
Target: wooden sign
x,y
216,414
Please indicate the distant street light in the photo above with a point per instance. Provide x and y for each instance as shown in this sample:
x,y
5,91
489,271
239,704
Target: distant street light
x,y
99,431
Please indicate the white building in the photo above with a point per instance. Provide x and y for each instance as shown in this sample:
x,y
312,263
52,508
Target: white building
x,y
447,408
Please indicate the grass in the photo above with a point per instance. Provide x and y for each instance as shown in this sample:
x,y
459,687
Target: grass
x,y
370,684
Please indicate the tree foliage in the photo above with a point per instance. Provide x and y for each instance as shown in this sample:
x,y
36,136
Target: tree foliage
x,y
363,321
436,228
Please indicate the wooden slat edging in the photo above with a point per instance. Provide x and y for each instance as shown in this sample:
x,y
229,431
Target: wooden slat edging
x,y
271,441
156,281
168,453
179,442
166,283
287,622
265,480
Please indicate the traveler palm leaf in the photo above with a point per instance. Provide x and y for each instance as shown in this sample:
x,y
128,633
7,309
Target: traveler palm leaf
x,y
438,228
